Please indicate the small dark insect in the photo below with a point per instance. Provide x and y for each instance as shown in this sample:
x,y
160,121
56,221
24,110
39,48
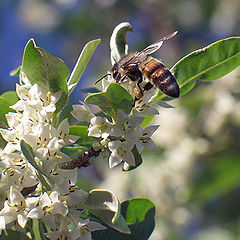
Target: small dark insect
x,y
137,65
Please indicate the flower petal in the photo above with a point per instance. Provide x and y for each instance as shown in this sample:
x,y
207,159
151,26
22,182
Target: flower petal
x,y
114,160
22,220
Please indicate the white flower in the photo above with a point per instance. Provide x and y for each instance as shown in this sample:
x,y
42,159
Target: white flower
x,y
43,135
17,171
51,156
13,138
17,208
65,179
84,227
125,125
143,138
74,197
32,123
37,98
13,119
19,126
48,207
2,224
24,80
121,151
99,127
144,109
62,233
82,112
142,106
63,133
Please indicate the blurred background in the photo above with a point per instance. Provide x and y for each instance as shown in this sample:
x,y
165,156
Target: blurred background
x,y
195,179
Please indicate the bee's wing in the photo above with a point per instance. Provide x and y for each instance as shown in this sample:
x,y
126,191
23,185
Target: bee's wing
x,y
140,56
154,47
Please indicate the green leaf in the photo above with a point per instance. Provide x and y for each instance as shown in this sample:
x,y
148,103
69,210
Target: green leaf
x,y
14,235
42,230
120,224
220,177
82,63
74,152
146,121
82,132
35,229
116,97
207,64
62,102
28,153
45,69
118,44
4,106
11,96
138,160
139,215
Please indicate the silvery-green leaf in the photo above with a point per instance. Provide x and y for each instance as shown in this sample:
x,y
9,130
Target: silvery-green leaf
x,y
116,97
100,199
118,44
81,64
104,205
45,69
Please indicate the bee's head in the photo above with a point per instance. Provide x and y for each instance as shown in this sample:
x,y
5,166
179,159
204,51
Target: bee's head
x,y
115,72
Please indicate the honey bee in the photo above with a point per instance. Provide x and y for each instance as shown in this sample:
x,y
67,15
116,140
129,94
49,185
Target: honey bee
x,y
137,65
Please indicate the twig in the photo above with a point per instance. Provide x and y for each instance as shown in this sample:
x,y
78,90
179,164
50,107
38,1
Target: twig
x,y
83,160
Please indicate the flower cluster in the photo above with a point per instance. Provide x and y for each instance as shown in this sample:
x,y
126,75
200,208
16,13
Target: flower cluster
x,y
38,178
40,189
121,135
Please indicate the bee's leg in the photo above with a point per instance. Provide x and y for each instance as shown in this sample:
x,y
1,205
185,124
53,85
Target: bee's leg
x,y
122,78
135,99
147,87
138,92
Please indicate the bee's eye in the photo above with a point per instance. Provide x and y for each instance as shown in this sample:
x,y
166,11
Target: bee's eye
x,y
116,74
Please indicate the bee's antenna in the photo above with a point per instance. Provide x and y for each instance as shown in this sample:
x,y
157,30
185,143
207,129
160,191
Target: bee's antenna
x,y
102,78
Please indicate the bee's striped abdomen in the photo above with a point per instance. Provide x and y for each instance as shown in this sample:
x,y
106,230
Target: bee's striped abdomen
x,y
161,77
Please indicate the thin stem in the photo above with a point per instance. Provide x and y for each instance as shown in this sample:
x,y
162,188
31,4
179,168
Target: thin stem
x,y
83,160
